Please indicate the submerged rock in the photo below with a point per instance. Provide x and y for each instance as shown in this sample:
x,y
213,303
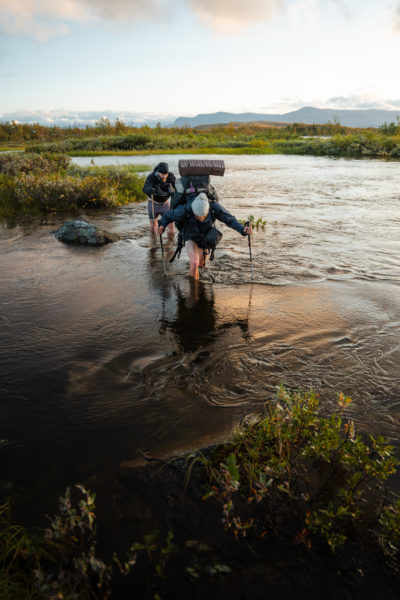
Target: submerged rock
x,y
80,232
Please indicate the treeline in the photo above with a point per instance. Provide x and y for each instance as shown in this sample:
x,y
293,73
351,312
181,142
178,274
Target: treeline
x,y
331,139
368,145
23,133
352,146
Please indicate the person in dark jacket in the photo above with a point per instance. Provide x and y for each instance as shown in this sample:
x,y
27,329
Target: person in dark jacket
x,y
196,223
159,187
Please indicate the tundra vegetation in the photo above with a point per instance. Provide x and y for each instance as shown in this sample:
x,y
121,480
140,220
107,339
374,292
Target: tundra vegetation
x,y
331,139
32,183
290,481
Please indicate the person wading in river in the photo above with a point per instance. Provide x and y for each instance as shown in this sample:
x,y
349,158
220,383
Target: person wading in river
x,y
196,225
159,187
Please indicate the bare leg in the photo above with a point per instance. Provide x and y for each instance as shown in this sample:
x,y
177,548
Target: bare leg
x,y
153,225
195,255
170,230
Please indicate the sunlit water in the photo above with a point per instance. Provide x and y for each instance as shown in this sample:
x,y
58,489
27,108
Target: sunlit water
x,y
101,355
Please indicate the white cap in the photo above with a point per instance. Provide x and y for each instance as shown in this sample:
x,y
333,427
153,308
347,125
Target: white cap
x,y
200,205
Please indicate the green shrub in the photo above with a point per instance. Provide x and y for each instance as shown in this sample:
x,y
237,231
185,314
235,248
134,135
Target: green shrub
x,y
36,183
128,182
20,556
18,162
63,562
291,468
57,193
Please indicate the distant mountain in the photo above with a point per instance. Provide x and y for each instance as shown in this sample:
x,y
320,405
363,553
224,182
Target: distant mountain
x,y
351,118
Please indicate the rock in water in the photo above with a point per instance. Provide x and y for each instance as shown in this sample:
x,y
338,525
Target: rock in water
x,y
80,232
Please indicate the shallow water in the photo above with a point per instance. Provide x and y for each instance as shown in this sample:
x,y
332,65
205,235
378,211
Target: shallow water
x,y
102,355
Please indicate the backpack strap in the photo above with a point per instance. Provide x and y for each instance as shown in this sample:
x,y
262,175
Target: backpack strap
x,y
181,243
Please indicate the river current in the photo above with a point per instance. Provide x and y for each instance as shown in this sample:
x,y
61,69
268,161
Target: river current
x,y
103,356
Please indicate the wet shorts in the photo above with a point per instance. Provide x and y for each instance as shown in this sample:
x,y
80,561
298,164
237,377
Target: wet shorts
x,y
159,209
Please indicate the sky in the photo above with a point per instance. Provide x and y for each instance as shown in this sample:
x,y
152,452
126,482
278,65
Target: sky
x,y
164,58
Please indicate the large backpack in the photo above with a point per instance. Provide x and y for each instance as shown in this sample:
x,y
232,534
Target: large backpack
x,y
195,178
188,187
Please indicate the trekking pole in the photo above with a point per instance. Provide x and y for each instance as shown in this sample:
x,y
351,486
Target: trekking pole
x,y
162,252
205,268
247,224
152,206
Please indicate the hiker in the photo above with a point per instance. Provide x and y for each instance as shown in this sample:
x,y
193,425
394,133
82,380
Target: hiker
x,y
159,187
195,221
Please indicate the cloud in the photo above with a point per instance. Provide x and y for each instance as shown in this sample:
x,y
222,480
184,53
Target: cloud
x,y
40,19
69,118
352,102
127,9
234,15
43,19
365,101
342,7
397,19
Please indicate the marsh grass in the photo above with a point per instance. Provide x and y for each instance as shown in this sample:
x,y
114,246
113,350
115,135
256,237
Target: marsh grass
x,y
34,183
201,150
62,562
318,140
20,555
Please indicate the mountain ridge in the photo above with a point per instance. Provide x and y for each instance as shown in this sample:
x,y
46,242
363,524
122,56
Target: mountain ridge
x,y
361,117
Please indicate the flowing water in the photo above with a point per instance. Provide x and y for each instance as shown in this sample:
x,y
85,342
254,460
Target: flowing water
x,y
101,355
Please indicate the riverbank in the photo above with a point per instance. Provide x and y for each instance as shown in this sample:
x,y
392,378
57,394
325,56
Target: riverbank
x,y
324,140
175,151
383,147
33,184
292,503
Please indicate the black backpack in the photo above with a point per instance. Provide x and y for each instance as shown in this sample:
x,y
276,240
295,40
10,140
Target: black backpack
x,y
188,187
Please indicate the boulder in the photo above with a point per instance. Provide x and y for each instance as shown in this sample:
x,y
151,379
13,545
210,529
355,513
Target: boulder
x,y
80,232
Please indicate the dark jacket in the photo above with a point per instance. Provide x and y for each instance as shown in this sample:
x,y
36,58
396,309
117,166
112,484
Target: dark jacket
x,y
154,186
193,229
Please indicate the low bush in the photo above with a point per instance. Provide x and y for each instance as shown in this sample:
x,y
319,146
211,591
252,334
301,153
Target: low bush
x,y
32,183
19,162
55,193
294,471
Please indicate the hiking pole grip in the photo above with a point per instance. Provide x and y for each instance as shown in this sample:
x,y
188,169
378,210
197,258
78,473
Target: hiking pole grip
x,y
247,224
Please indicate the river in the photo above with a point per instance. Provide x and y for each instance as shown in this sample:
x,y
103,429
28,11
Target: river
x,y
102,356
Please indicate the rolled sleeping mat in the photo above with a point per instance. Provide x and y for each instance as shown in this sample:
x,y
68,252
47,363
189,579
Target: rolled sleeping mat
x,y
201,167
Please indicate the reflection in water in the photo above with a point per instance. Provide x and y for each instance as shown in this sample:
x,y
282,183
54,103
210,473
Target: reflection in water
x,y
196,322
196,318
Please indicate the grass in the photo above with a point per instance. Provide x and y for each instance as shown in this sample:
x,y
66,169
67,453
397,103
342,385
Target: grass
x,y
31,184
20,555
105,138
206,150
11,147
